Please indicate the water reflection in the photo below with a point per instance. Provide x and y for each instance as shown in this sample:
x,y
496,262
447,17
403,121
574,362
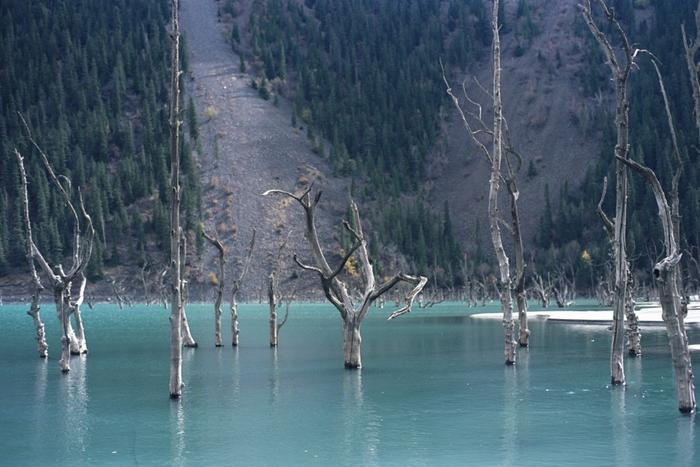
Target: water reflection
x,y
510,413
618,419
75,404
685,440
274,378
361,425
177,420
41,408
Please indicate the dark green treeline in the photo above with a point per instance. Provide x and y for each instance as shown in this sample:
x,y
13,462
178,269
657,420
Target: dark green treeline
x,y
91,76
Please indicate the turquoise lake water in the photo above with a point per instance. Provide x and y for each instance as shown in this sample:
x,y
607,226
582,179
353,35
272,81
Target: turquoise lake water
x,y
433,391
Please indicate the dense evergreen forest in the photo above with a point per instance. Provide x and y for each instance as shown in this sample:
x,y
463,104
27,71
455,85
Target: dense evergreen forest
x,y
364,80
91,77
571,224
364,76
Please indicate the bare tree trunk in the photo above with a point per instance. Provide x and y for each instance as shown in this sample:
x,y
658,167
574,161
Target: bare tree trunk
x,y
665,273
352,354
64,362
175,383
81,342
187,339
34,309
496,157
272,298
520,294
60,280
220,289
234,321
633,334
236,286
335,290
620,74
691,50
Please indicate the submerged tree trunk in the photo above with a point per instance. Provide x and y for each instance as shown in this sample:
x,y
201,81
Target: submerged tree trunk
x,y
187,339
234,321
175,382
620,74
34,309
235,287
272,299
59,298
634,336
220,287
336,290
80,341
665,273
34,312
352,352
496,157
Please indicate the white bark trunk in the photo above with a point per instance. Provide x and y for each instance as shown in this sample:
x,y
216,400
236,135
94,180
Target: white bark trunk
x,y
187,339
176,310
234,322
62,312
34,309
677,337
42,346
634,336
272,298
351,343
620,74
81,342
665,272
496,157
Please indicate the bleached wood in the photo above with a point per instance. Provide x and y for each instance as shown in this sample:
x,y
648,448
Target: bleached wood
x,y
34,310
665,272
187,338
335,289
691,50
216,243
620,72
175,382
235,287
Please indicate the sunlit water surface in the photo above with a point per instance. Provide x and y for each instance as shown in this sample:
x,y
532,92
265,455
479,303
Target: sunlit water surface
x,y
433,391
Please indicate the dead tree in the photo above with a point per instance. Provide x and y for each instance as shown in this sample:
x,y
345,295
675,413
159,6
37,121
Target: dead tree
x,y
60,280
336,290
541,289
146,293
665,273
675,182
620,72
187,339
77,343
220,286
235,288
632,331
691,50
175,383
273,294
34,309
495,158
514,194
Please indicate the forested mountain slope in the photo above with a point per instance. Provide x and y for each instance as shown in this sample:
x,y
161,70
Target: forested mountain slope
x,y
90,76
348,93
365,77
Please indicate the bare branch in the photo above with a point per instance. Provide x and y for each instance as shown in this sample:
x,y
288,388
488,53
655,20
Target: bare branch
x,y
607,223
418,284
